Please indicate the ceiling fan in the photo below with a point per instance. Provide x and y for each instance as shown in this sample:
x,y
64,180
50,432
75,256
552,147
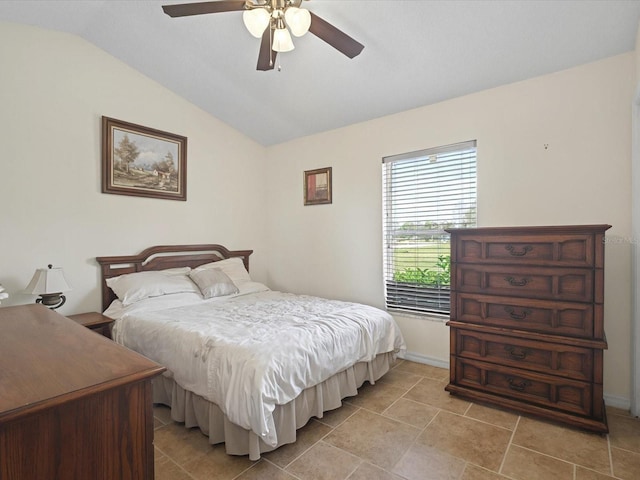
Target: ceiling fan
x,y
269,19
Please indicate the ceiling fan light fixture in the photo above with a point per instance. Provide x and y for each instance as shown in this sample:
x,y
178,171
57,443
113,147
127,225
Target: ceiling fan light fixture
x,y
282,40
298,20
273,21
256,20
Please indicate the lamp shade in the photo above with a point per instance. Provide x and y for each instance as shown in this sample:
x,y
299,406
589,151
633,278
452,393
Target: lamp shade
x,y
282,40
256,20
46,281
298,20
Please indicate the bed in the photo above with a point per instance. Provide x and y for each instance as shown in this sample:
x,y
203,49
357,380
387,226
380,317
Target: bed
x,y
246,364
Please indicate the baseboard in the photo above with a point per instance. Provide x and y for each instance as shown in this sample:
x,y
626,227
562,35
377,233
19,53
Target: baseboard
x,y
614,401
419,358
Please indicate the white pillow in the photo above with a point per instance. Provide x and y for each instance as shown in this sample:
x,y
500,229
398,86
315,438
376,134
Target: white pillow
x,y
233,267
252,287
213,282
117,310
133,287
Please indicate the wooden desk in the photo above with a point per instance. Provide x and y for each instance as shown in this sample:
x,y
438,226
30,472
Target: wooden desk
x,y
73,405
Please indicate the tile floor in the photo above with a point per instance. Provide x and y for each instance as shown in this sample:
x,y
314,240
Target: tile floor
x,y
408,427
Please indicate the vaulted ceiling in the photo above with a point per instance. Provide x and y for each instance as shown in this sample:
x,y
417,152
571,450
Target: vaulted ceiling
x,y
417,52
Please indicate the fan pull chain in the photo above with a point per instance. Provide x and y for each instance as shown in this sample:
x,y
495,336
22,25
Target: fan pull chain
x,y
270,46
279,67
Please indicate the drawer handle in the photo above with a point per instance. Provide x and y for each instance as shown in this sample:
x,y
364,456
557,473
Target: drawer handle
x,y
517,316
517,283
514,353
518,253
518,386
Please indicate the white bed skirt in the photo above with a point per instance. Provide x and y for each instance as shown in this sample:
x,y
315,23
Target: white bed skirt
x,y
195,411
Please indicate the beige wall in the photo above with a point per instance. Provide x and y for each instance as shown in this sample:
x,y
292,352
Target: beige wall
x,y
635,221
582,115
54,88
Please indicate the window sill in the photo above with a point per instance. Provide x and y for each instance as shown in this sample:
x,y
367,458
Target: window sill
x,y
430,317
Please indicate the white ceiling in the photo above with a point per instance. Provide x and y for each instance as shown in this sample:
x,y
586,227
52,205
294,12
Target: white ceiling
x,y
417,52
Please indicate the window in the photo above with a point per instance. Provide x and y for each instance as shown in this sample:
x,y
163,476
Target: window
x,y
424,193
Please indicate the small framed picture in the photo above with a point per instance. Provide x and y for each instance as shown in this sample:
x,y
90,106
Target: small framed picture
x,y
317,186
142,161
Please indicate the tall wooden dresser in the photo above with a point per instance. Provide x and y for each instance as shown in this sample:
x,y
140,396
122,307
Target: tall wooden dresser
x,y
73,404
526,322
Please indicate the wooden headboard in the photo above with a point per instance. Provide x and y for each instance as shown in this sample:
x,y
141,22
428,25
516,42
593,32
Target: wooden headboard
x,y
162,257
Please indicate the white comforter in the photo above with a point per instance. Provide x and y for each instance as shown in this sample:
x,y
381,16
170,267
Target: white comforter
x,y
252,352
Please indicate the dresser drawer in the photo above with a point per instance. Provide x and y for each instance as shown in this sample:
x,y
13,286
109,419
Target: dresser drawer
x,y
572,284
543,250
552,358
549,391
546,316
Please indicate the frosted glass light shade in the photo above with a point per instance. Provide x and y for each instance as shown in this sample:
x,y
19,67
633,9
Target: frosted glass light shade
x,y
298,20
282,40
256,20
46,281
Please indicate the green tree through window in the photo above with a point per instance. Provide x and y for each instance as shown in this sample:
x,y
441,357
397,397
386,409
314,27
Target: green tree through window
x,y
424,193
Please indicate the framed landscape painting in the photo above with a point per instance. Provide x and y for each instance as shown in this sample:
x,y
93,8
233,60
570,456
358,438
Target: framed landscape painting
x,y
142,161
317,186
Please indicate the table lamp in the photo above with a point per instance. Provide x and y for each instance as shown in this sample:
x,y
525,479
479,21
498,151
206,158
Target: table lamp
x,y
3,294
49,283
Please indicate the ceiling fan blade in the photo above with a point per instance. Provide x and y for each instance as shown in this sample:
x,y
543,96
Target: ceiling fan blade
x,y
186,9
266,57
334,37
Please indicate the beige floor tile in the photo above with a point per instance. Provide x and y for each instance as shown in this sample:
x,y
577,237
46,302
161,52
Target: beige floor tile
x,y
413,413
367,471
181,444
523,464
432,392
167,469
473,472
624,432
324,462
466,438
264,470
217,465
493,415
424,370
306,437
162,413
617,411
565,443
425,463
333,418
399,378
372,437
626,465
419,435
585,474
376,398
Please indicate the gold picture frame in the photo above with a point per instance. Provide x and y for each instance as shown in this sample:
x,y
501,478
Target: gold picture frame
x,y
317,186
143,161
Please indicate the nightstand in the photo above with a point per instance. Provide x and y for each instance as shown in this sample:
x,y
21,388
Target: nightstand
x,y
95,321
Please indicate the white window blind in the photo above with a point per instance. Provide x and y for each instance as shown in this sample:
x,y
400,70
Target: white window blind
x,y
425,192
